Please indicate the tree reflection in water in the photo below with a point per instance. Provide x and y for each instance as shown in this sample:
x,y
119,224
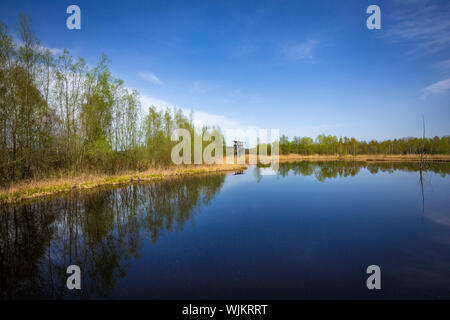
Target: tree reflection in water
x,y
323,170
104,231
100,231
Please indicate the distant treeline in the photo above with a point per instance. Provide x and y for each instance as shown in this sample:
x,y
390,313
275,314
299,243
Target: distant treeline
x,y
332,145
56,113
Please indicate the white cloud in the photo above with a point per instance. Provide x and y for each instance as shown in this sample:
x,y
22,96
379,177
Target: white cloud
x,y
201,88
147,101
238,96
200,118
56,51
424,25
150,77
301,51
444,64
438,87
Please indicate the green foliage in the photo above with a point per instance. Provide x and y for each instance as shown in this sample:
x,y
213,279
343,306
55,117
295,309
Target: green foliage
x,y
58,114
331,145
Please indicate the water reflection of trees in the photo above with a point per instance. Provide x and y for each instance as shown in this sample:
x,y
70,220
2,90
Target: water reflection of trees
x,y
332,169
101,231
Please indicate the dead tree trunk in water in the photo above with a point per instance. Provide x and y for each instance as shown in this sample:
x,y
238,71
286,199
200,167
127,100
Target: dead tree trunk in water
x,y
423,143
421,166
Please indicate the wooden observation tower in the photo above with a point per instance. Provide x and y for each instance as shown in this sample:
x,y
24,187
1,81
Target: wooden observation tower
x,y
238,147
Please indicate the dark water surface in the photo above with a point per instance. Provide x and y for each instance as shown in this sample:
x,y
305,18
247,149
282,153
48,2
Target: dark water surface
x,y
310,231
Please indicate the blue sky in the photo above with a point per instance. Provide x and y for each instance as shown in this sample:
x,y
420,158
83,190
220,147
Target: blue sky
x,y
304,67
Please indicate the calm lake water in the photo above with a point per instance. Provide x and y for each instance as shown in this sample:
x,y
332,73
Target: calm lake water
x,y
310,231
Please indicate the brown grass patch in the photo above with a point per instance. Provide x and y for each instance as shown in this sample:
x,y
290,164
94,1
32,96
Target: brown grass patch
x,y
45,187
367,158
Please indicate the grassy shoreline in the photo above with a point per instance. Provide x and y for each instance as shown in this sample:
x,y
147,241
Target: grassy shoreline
x,y
366,158
46,187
